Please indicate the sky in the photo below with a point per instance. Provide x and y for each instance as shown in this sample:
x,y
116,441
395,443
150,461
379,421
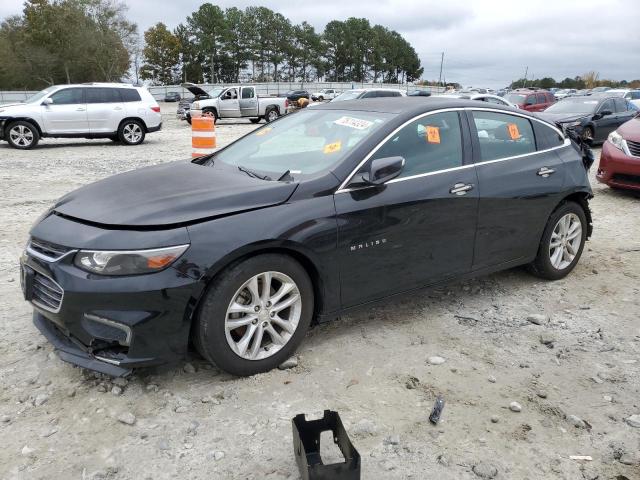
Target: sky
x,y
486,43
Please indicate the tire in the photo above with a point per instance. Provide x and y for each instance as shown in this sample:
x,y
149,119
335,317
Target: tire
x,y
255,120
189,119
22,135
212,112
222,346
321,99
554,267
587,134
272,115
131,132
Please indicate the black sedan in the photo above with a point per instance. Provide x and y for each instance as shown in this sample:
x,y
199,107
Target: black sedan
x,y
172,97
593,117
300,221
295,95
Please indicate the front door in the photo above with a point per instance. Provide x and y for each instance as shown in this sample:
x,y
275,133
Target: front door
x,y
606,123
67,114
418,228
248,102
519,185
229,104
105,109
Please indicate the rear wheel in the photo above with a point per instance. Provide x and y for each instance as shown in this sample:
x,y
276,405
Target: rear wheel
x,y
272,115
562,242
22,135
255,314
131,132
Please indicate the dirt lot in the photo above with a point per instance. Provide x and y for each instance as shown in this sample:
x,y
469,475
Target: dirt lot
x,y
575,374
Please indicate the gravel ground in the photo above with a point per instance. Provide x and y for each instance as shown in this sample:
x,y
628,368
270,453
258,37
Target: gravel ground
x,y
567,353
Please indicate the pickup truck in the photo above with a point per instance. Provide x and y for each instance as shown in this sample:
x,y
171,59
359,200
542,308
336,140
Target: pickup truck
x,y
239,101
325,94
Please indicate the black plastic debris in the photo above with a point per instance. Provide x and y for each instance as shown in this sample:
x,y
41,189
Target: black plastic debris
x,y
437,410
306,448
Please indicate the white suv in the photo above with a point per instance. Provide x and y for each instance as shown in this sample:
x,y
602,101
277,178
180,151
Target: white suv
x,y
95,110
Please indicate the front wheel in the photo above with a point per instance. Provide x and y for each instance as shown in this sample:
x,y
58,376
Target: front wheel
x,y
587,134
131,132
22,135
562,242
255,314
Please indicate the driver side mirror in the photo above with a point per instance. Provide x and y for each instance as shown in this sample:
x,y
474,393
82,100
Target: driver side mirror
x,y
382,170
47,101
604,113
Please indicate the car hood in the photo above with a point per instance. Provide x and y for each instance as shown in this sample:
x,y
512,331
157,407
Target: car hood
x,y
170,194
564,117
11,107
195,89
630,130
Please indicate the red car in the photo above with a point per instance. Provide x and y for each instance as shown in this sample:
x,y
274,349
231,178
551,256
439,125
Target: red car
x,y
531,100
620,158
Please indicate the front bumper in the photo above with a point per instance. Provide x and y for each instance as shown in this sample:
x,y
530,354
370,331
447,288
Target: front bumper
x,y
617,169
109,324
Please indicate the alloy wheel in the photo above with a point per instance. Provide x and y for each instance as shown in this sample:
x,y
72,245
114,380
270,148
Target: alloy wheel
x,y
273,115
132,132
21,135
565,241
263,315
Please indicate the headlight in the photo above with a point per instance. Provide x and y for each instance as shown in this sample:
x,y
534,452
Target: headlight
x,y
616,140
131,262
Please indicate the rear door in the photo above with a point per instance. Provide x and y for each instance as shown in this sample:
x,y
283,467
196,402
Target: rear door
x,y
67,114
105,109
248,102
418,228
520,181
624,111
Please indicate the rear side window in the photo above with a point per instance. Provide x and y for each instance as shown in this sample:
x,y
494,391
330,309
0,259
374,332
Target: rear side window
x,y
634,95
427,145
247,93
550,97
68,96
102,95
541,97
502,135
129,95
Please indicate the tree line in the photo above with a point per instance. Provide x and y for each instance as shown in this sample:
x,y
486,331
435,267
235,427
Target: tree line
x,y
257,44
587,80
74,41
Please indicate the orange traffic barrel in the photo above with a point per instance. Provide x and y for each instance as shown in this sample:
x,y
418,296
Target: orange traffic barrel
x,y
203,136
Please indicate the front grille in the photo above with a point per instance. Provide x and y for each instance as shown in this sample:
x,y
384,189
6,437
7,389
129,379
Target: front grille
x,y
46,294
50,251
634,148
624,178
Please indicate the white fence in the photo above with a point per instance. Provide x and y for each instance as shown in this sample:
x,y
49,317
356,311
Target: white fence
x,y
269,89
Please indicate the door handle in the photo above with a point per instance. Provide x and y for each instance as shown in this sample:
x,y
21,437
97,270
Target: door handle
x,y
461,188
544,172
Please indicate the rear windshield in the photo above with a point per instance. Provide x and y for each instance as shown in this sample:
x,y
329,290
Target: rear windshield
x,y
573,105
306,143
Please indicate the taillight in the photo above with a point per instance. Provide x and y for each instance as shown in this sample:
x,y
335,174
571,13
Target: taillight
x,y
286,103
156,109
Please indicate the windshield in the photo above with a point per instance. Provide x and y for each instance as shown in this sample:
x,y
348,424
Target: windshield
x,y
215,92
40,95
515,97
573,105
304,143
350,95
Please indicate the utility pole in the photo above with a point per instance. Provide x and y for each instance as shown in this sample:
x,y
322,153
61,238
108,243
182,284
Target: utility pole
x,y
441,62
526,70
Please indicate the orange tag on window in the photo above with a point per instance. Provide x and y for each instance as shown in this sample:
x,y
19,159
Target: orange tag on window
x,y
513,131
332,147
433,134
263,131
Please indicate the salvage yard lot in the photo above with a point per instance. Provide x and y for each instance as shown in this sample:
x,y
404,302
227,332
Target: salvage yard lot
x,y
561,350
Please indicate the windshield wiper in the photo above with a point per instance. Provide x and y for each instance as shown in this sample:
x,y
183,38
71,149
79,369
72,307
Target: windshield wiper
x,y
253,174
286,177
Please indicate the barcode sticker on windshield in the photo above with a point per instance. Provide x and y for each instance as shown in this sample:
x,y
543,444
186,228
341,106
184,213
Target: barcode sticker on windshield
x,y
514,133
332,147
433,134
263,131
356,123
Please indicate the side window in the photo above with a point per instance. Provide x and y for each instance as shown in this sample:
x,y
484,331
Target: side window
x,y
247,93
369,95
621,104
635,95
102,95
502,135
429,144
230,94
68,96
550,97
129,95
541,97
607,105
531,100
